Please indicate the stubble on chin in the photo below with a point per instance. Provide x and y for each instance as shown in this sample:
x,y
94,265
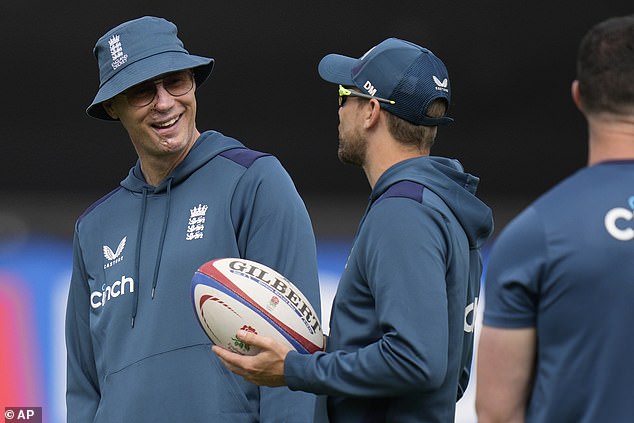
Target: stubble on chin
x,y
352,150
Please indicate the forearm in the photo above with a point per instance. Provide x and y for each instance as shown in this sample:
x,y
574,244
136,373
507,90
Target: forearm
x,y
505,374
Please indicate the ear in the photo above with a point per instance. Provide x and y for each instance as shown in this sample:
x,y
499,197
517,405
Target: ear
x,y
576,95
110,109
372,113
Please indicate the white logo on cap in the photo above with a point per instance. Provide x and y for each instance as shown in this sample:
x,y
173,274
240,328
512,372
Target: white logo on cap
x,y
116,51
369,88
441,85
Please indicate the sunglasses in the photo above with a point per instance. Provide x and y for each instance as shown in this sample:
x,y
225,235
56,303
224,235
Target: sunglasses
x,y
176,84
344,93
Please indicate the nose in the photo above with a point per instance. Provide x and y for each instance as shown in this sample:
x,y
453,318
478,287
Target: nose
x,y
162,99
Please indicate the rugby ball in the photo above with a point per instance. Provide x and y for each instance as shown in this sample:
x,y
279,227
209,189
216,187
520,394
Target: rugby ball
x,y
230,294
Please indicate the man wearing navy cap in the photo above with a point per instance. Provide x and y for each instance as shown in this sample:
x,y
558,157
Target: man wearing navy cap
x,y
401,329
136,352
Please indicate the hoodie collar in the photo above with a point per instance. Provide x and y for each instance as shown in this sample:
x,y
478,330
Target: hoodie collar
x,y
206,147
447,179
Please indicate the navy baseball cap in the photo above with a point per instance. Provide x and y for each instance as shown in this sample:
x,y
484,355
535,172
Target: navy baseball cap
x,y
139,50
408,74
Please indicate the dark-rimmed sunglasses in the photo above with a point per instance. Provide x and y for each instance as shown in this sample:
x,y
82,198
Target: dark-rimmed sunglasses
x,y
344,93
176,84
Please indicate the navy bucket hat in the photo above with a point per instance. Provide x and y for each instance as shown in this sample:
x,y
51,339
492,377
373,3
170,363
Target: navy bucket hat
x,y
408,74
139,50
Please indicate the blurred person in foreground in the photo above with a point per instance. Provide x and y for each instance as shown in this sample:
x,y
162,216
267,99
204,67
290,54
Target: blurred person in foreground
x,y
401,339
560,280
136,352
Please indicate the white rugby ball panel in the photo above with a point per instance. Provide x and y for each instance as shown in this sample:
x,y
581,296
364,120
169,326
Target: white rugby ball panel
x,y
260,296
242,293
221,315
260,281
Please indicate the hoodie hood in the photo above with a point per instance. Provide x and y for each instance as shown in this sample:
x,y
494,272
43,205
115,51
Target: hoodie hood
x,y
447,179
206,147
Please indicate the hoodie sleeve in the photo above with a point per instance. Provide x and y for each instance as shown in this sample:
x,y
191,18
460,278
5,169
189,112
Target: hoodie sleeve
x,y
404,268
82,391
273,228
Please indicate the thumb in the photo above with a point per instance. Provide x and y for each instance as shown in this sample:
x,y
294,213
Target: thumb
x,y
248,337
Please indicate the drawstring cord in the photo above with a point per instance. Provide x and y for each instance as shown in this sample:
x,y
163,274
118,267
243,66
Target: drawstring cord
x,y
137,258
162,241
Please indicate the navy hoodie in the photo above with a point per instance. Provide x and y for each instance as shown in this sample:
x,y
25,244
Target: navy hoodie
x,y
136,352
401,328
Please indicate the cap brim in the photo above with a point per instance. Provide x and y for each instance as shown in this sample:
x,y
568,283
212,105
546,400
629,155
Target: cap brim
x,y
337,69
145,69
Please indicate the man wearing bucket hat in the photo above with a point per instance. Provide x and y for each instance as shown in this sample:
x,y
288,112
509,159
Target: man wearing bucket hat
x,y
401,329
136,352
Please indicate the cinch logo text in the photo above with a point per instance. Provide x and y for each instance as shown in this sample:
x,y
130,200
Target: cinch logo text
x,y
470,310
100,298
620,230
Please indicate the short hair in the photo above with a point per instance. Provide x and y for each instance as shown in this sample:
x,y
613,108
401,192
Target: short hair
x,y
605,67
419,136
